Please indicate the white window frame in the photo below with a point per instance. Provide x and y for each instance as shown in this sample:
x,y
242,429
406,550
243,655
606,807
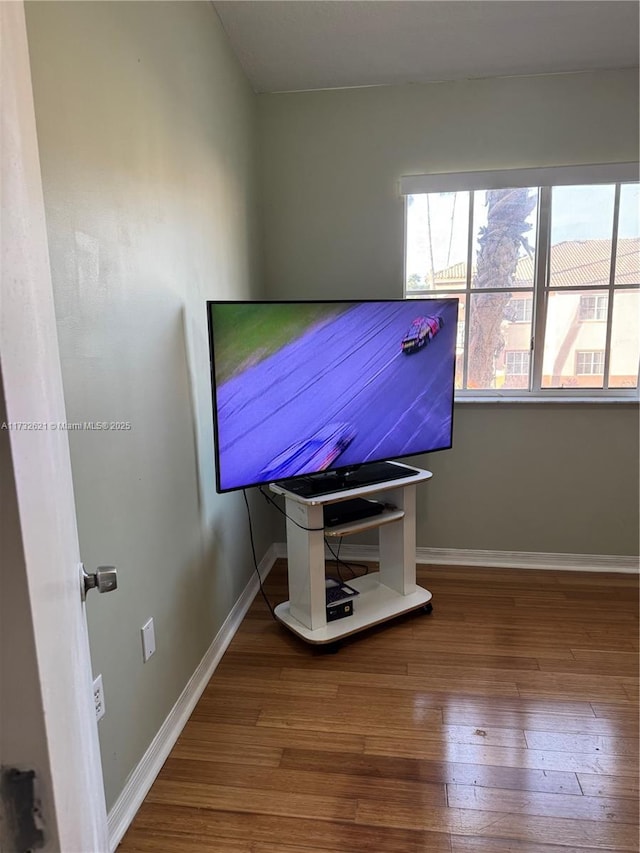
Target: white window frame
x,y
545,179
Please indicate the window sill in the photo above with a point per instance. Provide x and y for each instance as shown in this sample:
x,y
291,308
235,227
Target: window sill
x,y
546,399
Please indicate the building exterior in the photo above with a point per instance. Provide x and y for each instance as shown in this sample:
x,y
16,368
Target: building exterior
x,y
578,294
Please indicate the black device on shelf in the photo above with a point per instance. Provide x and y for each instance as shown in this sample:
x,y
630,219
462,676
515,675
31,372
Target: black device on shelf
x,y
339,603
337,591
339,610
329,391
351,510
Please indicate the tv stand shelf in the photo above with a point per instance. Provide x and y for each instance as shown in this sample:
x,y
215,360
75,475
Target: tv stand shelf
x,y
368,523
384,594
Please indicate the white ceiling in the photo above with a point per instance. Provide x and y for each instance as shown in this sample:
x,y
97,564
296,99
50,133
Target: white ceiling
x,y
293,45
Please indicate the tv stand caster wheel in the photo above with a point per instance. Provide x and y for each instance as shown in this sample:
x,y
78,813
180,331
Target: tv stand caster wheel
x,y
427,608
332,648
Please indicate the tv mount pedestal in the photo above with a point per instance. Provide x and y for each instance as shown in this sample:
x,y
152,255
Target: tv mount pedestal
x,y
384,594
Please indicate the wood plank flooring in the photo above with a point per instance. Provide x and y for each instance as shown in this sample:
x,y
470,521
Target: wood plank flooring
x,y
505,722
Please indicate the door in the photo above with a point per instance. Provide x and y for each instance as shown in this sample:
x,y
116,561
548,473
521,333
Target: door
x,y
48,718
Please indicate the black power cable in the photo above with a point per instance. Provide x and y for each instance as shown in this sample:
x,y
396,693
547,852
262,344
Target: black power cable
x,y
349,565
255,559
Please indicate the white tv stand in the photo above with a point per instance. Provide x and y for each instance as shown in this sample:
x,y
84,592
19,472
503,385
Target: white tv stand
x,y
384,594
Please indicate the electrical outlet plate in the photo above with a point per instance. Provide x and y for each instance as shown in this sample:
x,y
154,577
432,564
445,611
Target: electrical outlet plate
x,y
148,640
98,697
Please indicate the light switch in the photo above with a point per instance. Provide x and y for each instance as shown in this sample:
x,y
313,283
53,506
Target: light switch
x,y
148,640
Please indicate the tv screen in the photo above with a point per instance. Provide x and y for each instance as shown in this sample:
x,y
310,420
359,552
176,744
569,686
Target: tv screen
x,y
301,388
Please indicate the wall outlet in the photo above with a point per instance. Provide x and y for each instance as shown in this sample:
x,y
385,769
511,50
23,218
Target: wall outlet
x,y
148,640
98,697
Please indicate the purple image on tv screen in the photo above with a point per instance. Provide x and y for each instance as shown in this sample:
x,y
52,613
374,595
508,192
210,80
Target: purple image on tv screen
x,y
305,387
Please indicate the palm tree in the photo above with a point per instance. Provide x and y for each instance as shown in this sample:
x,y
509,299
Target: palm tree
x,y
499,248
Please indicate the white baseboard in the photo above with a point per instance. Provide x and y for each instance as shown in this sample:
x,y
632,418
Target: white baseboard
x,y
140,781
528,560
497,559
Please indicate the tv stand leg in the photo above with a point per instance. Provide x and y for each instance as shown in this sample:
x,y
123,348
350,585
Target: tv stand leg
x,y
305,558
398,544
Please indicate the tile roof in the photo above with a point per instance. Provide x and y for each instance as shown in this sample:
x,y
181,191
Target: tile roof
x,y
573,263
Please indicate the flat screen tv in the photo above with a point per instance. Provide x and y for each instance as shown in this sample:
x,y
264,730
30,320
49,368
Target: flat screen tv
x,y
315,391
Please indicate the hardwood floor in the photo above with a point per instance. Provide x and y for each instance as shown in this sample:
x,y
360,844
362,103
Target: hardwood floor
x,y
505,722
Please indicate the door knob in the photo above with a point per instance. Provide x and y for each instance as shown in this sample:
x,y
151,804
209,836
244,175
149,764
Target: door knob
x,y
104,579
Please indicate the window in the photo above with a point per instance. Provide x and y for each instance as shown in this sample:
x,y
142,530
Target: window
x,y
517,363
533,256
520,311
594,307
589,363
516,369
